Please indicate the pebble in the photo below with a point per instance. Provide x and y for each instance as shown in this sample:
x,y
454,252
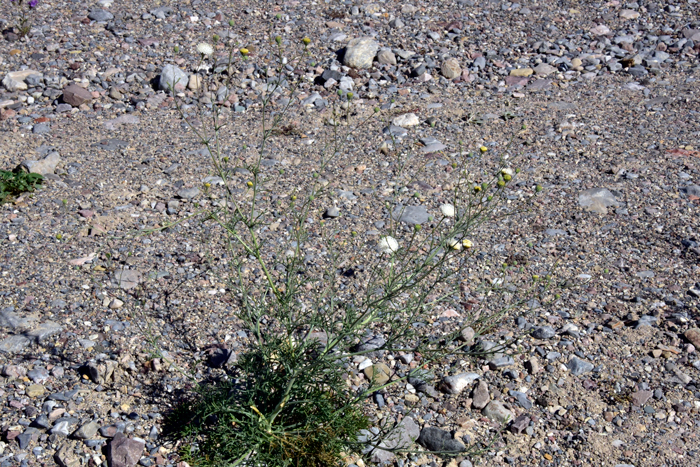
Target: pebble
x,y
435,439
579,367
496,411
360,52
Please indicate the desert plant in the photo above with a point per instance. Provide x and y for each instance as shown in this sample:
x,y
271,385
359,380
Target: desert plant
x,y
17,182
24,25
287,401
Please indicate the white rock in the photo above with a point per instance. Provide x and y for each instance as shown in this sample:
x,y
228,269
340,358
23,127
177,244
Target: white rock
x,y
14,80
406,120
457,383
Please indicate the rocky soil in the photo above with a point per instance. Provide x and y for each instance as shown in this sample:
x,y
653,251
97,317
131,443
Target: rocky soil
x,y
601,102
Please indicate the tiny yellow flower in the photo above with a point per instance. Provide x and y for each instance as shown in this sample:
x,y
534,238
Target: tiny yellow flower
x,y
507,177
477,188
306,41
467,243
250,184
207,185
483,149
294,197
501,184
244,52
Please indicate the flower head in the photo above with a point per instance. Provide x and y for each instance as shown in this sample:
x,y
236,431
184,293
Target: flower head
x,y
388,245
448,210
205,49
467,243
33,3
244,52
306,41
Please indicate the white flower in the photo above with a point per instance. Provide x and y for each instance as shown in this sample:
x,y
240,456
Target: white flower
x,y
447,210
454,244
507,171
387,245
205,49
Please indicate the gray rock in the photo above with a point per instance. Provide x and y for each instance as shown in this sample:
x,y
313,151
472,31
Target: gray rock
x,y
411,215
371,343
467,335
691,190
12,320
45,330
497,411
172,77
123,451
87,431
360,52
41,128
14,344
543,332
457,383
45,166
402,437
435,439
332,213
127,278
579,367
597,200
481,396
501,362
188,193
386,57
450,68
520,424
100,15
38,375
63,426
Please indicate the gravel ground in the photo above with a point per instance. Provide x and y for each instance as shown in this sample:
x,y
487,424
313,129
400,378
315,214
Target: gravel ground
x,y
601,101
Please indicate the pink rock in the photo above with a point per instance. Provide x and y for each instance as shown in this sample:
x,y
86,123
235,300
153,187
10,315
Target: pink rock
x,y
76,96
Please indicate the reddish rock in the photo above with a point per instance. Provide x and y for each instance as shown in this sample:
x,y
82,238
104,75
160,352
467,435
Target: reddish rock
x,y
76,96
123,451
8,113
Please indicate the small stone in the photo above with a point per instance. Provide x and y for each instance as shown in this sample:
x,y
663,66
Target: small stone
x,y
386,57
693,336
360,52
195,82
579,367
435,439
87,431
496,411
521,72
332,213
520,424
640,398
450,68
597,200
76,96
127,278
600,30
543,332
629,14
35,390
481,396
457,383
188,193
15,80
123,451
467,334
379,373
45,166
100,15
544,69
412,215
405,120
172,76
